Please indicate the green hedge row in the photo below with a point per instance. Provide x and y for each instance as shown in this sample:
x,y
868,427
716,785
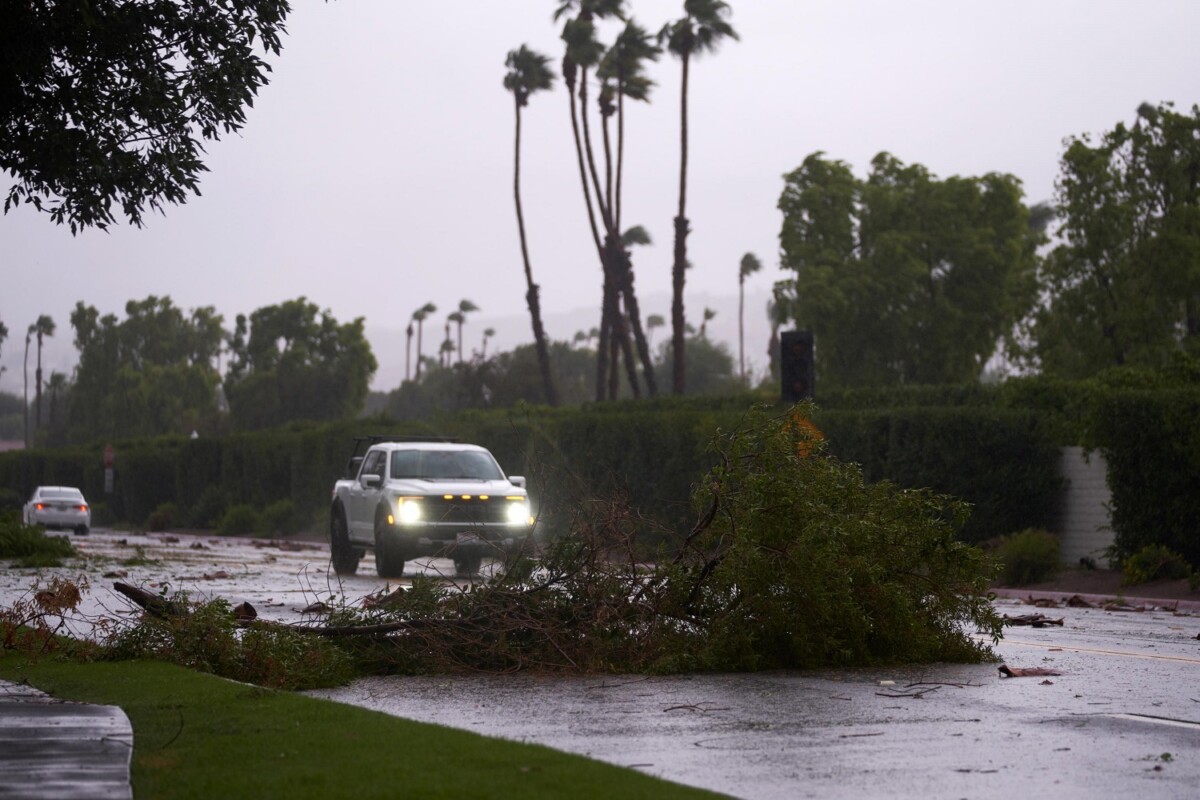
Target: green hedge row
x,y
1151,441
647,455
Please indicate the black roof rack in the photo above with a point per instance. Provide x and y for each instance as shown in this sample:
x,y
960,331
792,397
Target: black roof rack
x,y
376,438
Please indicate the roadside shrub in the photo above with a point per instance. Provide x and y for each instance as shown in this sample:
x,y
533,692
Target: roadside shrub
x,y
1154,562
210,506
162,518
239,520
30,545
808,564
1031,556
281,518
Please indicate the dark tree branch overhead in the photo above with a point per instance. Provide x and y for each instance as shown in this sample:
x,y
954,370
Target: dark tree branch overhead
x,y
109,102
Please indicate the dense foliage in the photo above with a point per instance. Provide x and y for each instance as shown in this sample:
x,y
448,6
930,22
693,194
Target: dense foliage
x,y
150,374
107,102
1123,287
902,277
31,546
293,362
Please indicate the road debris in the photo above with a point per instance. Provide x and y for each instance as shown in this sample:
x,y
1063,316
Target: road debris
x,y
914,693
1032,620
1025,672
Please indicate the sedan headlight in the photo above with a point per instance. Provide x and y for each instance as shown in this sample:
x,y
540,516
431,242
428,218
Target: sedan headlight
x,y
408,510
517,512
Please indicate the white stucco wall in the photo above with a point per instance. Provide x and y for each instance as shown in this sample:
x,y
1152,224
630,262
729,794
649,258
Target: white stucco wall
x,y
1083,523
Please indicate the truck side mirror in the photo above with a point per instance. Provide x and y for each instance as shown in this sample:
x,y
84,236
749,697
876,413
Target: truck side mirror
x,y
517,480
370,481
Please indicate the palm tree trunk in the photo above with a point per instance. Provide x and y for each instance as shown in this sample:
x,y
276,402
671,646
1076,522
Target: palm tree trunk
x,y
742,325
25,403
607,312
605,211
38,383
681,232
601,352
408,351
420,331
627,352
531,294
626,265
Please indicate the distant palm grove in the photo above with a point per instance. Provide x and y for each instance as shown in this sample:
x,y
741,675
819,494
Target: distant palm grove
x,y
902,276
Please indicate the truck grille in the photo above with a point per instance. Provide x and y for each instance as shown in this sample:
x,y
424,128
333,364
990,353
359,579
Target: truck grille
x,y
456,511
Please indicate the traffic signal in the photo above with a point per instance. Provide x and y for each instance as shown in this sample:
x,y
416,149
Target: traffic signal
x,y
796,365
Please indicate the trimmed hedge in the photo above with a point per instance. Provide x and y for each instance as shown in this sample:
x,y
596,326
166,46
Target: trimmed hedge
x,y
1004,463
1151,441
648,454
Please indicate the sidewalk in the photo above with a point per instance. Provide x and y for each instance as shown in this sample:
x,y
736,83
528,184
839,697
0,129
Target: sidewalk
x,y
51,749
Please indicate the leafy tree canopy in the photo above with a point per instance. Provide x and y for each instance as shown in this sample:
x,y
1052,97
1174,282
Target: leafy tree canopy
x,y
107,102
292,361
709,366
1124,285
904,277
151,374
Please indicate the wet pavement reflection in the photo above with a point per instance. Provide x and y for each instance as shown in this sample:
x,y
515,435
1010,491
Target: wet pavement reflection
x,y
1121,720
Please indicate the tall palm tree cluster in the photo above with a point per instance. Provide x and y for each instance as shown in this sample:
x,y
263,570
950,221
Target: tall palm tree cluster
x,y
38,330
448,348
617,73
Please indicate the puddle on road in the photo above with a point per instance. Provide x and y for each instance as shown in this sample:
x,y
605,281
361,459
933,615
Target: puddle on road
x,y
280,578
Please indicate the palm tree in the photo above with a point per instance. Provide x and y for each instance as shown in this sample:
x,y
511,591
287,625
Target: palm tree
x,y
464,307
446,352
55,386
748,266
43,327
584,51
408,348
699,31
487,334
654,321
708,314
621,73
457,318
25,369
529,72
419,316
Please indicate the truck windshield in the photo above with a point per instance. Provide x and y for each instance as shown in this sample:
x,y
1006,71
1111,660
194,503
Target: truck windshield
x,y
436,465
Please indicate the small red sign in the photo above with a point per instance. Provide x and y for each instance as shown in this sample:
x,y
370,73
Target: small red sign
x,y
108,455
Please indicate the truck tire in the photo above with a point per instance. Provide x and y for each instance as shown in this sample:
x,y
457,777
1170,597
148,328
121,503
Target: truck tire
x,y
388,562
344,556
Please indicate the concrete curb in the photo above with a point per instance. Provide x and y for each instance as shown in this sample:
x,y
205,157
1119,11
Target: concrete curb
x,y
52,749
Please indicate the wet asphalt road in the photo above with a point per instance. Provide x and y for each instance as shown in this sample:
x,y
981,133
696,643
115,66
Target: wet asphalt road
x,y
1121,721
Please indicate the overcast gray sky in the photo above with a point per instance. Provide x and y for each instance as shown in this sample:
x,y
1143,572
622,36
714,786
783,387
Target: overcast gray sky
x,y
375,171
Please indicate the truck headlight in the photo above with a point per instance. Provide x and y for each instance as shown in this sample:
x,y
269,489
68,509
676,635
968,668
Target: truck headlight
x,y
517,512
408,510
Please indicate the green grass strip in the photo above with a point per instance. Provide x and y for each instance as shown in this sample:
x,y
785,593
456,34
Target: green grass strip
x,y
197,736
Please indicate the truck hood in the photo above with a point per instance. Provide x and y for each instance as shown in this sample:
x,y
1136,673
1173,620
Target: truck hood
x,y
436,486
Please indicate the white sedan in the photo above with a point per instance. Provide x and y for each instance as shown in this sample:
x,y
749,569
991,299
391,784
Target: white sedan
x,y
58,507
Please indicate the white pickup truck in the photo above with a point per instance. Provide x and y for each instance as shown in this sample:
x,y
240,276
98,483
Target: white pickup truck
x,y
407,499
